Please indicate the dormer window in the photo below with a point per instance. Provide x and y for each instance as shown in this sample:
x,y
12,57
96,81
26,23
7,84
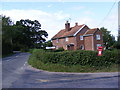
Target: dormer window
x,y
97,37
66,39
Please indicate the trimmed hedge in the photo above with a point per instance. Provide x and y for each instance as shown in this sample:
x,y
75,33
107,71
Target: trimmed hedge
x,y
79,57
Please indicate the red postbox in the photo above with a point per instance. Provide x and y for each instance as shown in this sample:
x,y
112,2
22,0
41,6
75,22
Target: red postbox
x,y
100,51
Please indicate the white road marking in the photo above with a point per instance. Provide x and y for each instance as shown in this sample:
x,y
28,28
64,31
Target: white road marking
x,y
42,80
21,68
8,60
25,63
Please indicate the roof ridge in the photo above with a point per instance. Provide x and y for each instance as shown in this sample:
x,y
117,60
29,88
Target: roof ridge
x,y
93,30
73,32
82,26
96,30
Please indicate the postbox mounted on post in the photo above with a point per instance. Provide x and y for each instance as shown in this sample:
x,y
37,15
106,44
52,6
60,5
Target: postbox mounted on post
x,y
100,51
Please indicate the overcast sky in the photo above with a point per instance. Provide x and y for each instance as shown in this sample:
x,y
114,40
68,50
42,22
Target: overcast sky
x,y
53,15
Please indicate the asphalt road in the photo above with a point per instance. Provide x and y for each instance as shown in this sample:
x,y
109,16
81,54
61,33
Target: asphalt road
x,y
16,73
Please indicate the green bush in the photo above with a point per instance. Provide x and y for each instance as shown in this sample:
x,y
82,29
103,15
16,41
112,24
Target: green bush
x,y
6,48
80,57
59,49
117,45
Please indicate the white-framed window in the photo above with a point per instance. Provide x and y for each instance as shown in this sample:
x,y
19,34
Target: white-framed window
x,y
98,45
82,47
66,39
97,37
81,37
57,40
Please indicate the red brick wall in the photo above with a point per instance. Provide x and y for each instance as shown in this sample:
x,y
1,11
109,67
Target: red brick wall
x,y
76,40
98,41
63,42
81,42
88,42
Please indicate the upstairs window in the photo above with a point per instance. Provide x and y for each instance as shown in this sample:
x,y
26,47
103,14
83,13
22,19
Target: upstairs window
x,y
97,37
66,39
57,40
81,37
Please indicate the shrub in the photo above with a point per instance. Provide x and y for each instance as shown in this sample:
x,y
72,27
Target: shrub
x,y
117,45
6,48
59,49
82,58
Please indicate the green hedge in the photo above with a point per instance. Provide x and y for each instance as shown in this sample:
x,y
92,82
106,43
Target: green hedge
x,y
79,57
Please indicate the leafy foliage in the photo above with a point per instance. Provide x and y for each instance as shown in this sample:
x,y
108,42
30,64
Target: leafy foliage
x,y
32,36
6,35
23,35
82,58
117,45
47,44
59,49
108,39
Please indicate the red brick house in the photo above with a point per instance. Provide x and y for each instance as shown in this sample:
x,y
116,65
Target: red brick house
x,y
78,37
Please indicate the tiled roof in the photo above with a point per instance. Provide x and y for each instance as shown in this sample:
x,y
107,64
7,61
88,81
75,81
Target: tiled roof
x,y
91,31
64,33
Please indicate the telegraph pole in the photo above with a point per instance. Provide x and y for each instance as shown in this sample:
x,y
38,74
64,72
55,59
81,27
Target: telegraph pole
x,y
119,19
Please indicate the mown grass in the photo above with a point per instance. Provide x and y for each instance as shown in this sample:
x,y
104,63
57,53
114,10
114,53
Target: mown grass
x,y
72,68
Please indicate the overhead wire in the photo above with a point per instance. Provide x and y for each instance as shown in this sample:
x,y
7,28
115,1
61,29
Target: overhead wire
x,y
107,14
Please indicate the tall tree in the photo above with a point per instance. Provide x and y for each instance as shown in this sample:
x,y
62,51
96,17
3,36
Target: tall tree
x,y
108,39
117,43
6,35
32,35
47,44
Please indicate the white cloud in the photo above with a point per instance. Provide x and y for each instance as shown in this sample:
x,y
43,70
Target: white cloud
x,y
60,15
51,22
50,5
111,23
90,22
89,13
77,7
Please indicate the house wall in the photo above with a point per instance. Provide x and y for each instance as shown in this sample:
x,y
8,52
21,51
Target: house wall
x,y
98,41
88,40
80,42
74,40
62,42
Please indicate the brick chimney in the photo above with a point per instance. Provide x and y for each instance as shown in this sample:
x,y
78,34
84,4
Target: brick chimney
x,y
67,26
76,24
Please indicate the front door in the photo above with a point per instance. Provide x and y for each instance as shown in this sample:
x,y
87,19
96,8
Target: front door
x,y
70,47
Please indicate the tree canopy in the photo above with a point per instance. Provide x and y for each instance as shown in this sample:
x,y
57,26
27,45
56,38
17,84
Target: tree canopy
x,y
108,39
6,35
24,34
33,36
